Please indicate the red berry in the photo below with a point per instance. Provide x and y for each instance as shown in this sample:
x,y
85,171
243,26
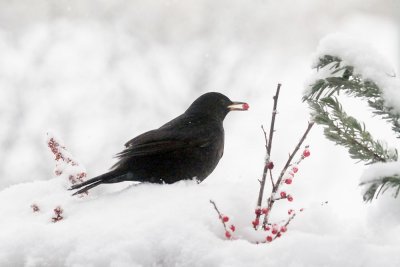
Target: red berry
x,y
270,165
289,198
267,228
269,238
274,231
283,194
257,211
288,181
295,169
233,228
264,210
283,229
225,218
306,153
279,234
227,234
245,106
255,222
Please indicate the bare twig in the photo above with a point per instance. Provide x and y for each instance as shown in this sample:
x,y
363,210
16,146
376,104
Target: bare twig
x,y
219,214
265,137
268,156
274,111
272,179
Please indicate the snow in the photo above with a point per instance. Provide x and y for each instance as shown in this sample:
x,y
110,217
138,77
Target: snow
x,y
147,225
380,170
100,75
367,62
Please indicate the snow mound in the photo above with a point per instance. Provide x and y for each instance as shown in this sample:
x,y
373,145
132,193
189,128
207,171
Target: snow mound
x,y
170,225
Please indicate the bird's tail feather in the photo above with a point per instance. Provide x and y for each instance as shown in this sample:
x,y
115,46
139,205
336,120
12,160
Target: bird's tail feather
x,y
113,176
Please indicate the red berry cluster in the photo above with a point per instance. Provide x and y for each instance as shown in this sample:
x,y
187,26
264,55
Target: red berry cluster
x,y
64,162
291,173
58,211
276,231
77,177
228,230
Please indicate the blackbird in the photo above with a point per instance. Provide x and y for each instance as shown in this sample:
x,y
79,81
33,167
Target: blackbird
x,y
188,147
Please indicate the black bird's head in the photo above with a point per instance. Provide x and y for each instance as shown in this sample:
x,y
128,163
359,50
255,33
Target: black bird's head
x,y
216,105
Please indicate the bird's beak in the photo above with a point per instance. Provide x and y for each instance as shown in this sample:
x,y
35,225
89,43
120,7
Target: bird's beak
x,y
238,106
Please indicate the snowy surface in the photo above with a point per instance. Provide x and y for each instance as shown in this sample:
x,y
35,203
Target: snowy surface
x,y
101,74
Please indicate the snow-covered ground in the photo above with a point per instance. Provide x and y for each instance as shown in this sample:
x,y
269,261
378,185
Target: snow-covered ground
x,y
100,74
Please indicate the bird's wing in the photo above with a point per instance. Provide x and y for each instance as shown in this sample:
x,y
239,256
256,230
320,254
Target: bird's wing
x,y
162,141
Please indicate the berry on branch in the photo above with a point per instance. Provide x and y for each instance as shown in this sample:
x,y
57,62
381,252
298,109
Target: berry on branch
x,y
288,181
306,153
270,165
225,218
228,235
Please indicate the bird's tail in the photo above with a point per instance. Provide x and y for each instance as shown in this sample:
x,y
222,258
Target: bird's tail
x,y
113,176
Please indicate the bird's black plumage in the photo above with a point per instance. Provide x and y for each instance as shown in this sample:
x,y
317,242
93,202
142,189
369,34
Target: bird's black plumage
x,y
189,146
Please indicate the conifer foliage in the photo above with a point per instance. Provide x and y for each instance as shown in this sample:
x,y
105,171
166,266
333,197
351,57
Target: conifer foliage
x,y
345,130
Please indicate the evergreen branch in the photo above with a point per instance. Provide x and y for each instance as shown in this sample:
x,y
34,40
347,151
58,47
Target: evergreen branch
x,y
381,185
353,85
346,131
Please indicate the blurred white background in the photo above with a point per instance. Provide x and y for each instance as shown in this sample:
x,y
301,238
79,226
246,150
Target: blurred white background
x,y
101,73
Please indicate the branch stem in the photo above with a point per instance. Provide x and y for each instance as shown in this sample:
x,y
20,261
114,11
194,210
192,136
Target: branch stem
x,y
268,152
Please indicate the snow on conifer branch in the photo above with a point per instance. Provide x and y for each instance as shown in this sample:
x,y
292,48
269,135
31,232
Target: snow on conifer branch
x,y
346,66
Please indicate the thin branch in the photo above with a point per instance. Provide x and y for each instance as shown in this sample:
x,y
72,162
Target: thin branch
x,y
274,111
219,214
265,137
272,179
268,156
